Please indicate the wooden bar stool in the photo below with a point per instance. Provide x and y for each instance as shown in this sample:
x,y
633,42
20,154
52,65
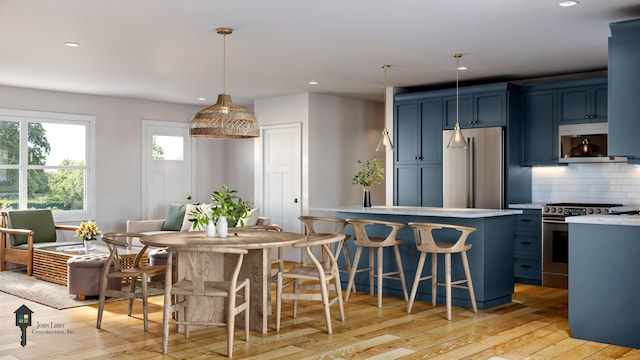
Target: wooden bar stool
x,y
426,244
362,240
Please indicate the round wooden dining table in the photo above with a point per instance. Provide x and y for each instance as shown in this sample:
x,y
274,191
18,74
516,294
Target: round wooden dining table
x,y
256,265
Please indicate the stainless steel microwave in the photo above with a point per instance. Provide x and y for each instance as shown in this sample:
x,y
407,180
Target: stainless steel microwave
x,y
581,143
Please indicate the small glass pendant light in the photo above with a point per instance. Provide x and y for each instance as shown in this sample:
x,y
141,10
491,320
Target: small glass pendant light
x,y
457,140
385,144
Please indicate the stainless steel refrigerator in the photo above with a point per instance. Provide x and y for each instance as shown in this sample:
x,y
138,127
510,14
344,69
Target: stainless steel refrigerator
x,y
474,178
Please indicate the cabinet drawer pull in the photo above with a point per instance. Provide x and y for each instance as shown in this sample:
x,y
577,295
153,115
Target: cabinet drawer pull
x,y
525,242
525,266
525,220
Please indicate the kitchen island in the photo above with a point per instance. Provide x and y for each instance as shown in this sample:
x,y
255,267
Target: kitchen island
x,y
490,258
604,289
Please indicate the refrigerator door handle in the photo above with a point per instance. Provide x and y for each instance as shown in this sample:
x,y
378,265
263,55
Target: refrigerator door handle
x,y
472,172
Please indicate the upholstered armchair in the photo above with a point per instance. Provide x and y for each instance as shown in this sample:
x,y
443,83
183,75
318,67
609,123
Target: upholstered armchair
x,y
28,230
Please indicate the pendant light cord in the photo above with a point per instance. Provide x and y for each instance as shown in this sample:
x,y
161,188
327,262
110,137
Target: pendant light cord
x,y
385,67
224,63
457,97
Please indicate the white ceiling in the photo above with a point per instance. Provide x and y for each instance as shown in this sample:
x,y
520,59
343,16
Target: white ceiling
x,y
168,50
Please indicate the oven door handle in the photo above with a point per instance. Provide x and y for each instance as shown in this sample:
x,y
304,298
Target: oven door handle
x,y
553,221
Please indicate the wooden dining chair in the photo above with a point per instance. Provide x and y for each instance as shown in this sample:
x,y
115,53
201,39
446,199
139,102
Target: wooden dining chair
x,y
312,226
278,260
306,278
137,276
193,284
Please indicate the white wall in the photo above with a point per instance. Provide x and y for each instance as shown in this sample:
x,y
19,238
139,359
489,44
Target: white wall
x,y
588,183
118,147
341,132
336,132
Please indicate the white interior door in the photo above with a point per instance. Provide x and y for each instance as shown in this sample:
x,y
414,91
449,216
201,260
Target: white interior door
x,y
280,178
167,154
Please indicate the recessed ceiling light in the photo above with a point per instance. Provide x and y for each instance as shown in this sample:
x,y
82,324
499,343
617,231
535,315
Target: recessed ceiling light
x,y
462,68
202,99
71,44
567,3
313,82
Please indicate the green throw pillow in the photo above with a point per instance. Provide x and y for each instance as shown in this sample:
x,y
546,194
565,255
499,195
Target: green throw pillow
x,y
174,217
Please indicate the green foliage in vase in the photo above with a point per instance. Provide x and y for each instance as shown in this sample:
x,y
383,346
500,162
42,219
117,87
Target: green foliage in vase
x,y
228,204
201,217
370,174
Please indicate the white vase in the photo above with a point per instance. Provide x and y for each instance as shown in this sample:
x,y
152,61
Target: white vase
x,y
223,227
87,246
211,229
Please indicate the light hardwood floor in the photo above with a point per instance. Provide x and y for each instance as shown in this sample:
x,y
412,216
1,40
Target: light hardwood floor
x,y
533,326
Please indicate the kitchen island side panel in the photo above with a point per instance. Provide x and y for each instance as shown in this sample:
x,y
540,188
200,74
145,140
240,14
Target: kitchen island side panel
x,y
604,287
490,259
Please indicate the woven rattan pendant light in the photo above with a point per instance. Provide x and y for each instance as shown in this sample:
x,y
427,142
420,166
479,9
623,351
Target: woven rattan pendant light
x,y
224,119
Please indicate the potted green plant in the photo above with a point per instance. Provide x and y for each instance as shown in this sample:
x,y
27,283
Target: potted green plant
x,y
229,209
370,174
203,218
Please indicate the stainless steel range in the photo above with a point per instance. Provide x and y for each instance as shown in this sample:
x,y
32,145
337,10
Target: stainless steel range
x,y
555,239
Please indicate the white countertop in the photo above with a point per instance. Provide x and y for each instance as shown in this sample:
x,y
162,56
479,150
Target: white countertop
x,y
629,220
423,211
529,206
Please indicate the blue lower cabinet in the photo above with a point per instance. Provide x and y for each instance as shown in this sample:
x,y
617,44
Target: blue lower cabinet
x,y
527,248
490,259
603,283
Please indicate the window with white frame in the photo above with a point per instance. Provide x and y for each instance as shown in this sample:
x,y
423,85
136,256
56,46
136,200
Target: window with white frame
x,y
46,161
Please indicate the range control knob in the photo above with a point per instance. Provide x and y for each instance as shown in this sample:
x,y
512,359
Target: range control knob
x,y
546,209
598,211
590,211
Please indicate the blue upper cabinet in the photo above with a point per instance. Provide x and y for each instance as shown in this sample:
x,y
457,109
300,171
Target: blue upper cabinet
x,y
547,105
407,147
624,79
478,106
539,127
465,111
583,104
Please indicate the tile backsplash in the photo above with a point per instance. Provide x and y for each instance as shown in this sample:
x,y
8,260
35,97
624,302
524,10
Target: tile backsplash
x,y
588,183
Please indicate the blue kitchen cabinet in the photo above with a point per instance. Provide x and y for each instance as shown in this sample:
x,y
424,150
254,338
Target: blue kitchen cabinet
x,y
418,154
478,106
603,283
465,111
583,104
419,119
539,127
527,244
407,142
624,77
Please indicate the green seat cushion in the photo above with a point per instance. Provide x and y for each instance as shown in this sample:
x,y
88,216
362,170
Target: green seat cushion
x,y
40,221
174,217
